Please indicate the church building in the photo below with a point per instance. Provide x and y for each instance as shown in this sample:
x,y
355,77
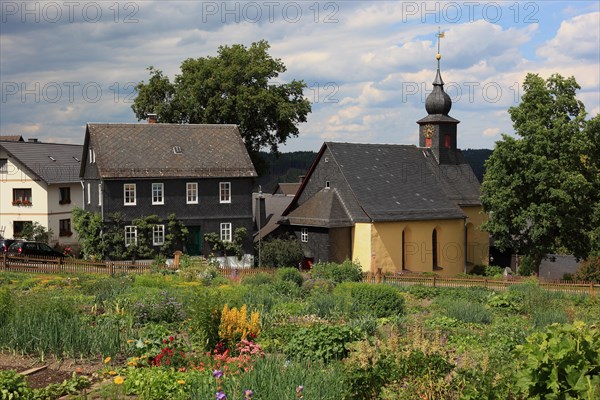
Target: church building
x,y
398,208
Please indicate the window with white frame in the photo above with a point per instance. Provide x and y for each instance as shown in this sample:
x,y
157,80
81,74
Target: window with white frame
x,y
158,190
130,235
158,235
226,231
225,192
3,166
304,235
192,193
129,194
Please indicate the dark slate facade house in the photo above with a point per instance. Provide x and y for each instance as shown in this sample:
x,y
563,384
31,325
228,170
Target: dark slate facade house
x,y
394,207
202,173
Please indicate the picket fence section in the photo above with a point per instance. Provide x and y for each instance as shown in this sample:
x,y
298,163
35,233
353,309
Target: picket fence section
x,y
75,266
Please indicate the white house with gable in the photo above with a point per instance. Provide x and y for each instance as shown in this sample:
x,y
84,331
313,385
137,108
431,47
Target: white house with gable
x,y
39,182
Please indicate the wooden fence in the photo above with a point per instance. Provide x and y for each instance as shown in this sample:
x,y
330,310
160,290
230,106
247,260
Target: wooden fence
x,y
55,265
73,266
495,284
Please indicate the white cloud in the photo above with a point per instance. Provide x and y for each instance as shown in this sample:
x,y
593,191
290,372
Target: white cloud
x,y
491,132
576,39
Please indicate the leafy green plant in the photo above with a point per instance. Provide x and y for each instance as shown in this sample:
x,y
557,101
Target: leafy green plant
x,y
422,292
321,342
512,301
563,362
13,386
71,386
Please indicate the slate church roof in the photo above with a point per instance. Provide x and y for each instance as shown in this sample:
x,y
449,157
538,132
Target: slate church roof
x,y
390,183
167,150
50,162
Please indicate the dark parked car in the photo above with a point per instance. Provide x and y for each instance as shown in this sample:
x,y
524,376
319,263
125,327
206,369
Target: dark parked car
x,y
5,244
24,248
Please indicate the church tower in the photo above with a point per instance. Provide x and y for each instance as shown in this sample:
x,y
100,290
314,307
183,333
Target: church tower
x,y
437,130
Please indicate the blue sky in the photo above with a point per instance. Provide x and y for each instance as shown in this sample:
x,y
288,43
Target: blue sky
x,y
368,64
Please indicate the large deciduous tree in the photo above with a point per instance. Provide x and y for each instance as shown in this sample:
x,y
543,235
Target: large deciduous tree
x,y
542,188
235,87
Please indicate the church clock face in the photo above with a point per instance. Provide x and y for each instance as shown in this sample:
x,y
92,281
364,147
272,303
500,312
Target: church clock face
x,y
428,130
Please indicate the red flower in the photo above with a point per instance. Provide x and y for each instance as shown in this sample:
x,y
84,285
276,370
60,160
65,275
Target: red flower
x,y
171,338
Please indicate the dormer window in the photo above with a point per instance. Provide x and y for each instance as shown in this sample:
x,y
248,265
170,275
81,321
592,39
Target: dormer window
x,y
327,185
177,150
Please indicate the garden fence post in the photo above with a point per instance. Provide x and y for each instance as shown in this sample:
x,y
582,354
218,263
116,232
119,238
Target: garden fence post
x,y
60,265
4,261
112,268
176,257
433,281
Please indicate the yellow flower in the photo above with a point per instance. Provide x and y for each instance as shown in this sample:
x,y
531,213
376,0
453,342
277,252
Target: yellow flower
x,y
106,360
119,380
112,372
130,341
181,382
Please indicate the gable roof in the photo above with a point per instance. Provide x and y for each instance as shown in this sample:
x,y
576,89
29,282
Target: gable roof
x,y
324,209
49,162
11,138
286,188
397,182
167,150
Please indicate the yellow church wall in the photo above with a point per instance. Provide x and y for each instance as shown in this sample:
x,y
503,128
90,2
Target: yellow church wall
x,y
386,244
361,245
478,251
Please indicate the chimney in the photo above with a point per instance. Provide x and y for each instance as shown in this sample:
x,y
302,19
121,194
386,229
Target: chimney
x,y
151,118
32,140
301,178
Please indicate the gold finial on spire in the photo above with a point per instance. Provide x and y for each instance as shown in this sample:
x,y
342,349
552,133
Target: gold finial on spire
x,y
439,35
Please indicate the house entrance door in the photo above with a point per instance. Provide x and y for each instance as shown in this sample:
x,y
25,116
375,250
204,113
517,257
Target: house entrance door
x,y
194,241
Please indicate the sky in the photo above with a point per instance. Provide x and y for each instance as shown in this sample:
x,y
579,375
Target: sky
x,y
368,65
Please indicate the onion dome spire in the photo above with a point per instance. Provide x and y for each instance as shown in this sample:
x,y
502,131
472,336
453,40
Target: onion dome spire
x,y
438,101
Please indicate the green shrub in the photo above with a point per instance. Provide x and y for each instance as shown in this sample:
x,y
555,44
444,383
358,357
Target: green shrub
x,y
563,362
347,271
291,275
487,270
320,342
377,300
589,270
465,311
287,289
281,252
